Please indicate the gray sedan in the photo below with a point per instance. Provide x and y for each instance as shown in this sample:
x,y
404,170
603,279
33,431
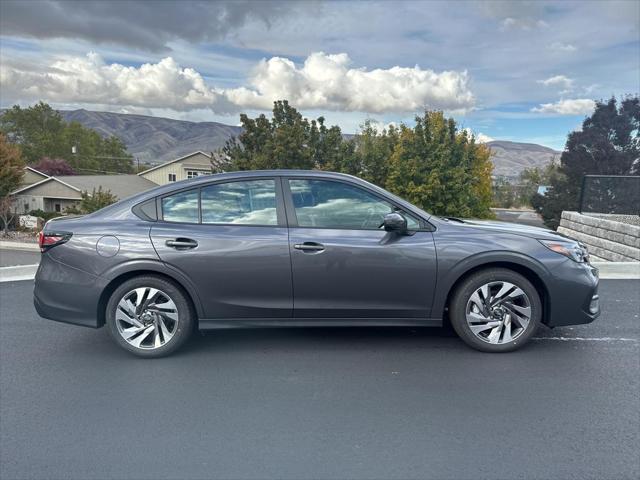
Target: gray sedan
x,y
303,248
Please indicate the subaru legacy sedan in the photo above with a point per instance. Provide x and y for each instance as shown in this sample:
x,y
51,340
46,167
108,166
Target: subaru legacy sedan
x,y
303,248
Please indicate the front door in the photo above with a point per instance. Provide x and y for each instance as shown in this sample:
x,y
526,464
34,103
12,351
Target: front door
x,y
344,265
231,240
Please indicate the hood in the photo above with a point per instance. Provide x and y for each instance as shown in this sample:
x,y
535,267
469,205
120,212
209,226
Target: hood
x,y
515,228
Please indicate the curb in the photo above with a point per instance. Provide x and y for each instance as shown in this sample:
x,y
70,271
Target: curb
x,y
17,273
607,271
618,270
27,247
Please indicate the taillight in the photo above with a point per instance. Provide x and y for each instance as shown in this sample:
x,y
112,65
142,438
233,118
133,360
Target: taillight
x,y
48,240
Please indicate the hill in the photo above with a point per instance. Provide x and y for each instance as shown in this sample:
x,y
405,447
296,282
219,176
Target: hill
x,y
156,139
511,158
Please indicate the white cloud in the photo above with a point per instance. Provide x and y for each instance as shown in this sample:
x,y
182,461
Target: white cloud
x,y
511,23
327,81
480,137
558,81
323,81
577,106
90,80
562,47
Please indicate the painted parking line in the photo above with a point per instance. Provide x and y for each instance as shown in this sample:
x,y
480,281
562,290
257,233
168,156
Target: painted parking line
x,y
17,273
588,339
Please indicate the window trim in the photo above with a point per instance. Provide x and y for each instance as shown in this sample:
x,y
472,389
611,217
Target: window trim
x,y
280,208
292,218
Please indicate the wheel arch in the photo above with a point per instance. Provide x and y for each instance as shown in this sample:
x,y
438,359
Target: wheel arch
x,y
116,279
531,272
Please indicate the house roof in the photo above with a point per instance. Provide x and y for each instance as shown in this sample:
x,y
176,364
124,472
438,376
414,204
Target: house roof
x,y
45,180
122,186
174,161
37,172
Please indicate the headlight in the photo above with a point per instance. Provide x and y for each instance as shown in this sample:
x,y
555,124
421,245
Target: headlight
x,y
574,250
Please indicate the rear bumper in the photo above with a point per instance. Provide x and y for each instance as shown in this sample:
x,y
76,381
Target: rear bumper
x,y
573,295
66,294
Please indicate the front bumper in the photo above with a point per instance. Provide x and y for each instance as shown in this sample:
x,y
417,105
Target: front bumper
x,y
572,294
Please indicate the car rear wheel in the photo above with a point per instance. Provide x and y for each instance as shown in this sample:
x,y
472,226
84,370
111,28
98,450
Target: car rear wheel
x,y
149,316
495,310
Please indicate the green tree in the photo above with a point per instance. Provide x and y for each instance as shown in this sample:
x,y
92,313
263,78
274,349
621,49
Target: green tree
x,y
372,150
11,172
607,144
41,132
505,194
532,178
441,169
434,165
93,201
287,140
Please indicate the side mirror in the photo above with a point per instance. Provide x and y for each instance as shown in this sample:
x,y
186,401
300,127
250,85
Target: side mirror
x,y
394,222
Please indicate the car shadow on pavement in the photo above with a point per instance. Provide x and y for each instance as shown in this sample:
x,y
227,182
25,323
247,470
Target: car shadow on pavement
x,y
318,338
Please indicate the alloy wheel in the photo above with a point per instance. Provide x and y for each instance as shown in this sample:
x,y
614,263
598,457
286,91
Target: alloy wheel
x,y
498,312
146,318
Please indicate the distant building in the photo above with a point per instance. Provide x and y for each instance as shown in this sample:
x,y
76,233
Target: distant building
x,y
190,166
55,194
543,189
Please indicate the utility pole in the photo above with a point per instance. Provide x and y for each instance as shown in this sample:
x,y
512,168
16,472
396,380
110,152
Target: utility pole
x,y
74,151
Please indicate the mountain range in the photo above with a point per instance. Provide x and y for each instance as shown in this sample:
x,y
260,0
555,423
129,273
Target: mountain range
x,y
154,140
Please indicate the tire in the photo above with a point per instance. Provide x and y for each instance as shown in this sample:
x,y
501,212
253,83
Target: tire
x,y
497,323
149,316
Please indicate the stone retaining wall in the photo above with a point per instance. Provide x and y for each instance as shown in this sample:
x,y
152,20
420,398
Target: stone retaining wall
x,y
606,239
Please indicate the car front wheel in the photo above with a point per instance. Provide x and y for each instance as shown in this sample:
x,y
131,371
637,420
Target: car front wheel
x,y
495,310
149,316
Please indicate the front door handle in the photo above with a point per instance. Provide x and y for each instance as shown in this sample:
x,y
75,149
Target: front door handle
x,y
182,243
309,247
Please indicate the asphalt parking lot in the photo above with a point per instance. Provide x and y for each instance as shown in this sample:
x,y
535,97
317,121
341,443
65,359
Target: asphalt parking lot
x,y
321,403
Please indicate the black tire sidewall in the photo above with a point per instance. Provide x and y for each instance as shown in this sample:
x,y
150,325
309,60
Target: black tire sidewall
x,y
185,313
475,281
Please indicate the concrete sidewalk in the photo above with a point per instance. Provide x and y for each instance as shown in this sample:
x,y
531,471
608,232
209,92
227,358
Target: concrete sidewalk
x,y
24,246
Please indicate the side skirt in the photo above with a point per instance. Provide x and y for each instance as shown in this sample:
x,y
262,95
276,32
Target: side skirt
x,y
218,323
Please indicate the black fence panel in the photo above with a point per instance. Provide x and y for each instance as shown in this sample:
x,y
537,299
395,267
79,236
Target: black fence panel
x,y
614,194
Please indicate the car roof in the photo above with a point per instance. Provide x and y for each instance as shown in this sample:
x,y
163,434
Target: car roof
x,y
259,173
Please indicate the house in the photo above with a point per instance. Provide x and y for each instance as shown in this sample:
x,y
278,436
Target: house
x,y
55,194
190,166
31,176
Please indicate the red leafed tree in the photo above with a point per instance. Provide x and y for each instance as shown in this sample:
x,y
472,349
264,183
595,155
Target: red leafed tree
x,y
54,166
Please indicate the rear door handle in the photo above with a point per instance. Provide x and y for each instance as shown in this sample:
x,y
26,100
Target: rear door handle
x,y
309,247
182,243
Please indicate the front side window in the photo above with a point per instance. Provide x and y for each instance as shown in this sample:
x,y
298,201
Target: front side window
x,y
243,203
330,204
181,207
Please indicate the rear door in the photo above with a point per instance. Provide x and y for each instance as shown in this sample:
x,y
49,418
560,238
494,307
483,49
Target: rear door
x,y
230,238
344,265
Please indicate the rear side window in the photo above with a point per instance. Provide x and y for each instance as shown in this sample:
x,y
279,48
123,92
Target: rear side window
x,y
181,207
242,203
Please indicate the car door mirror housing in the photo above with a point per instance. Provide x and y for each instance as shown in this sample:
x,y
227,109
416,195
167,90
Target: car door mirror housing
x,y
395,222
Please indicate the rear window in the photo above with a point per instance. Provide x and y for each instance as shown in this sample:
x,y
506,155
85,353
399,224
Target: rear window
x,y
181,207
242,203
251,202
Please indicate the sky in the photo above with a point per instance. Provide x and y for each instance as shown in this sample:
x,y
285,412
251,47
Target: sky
x,y
506,70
